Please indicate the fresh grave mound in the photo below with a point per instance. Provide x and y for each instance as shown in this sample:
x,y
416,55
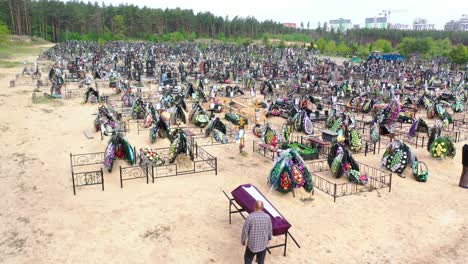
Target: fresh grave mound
x,y
398,156
118,147
149,156
104,121
198,116
306,153
341,162
236,118
160,128
345,125
218,128
179,145
289,173
270,136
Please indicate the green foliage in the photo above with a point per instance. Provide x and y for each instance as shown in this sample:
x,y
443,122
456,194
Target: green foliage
x,y
203,46
353,49
221,36
295,37
176,37
119,36
73,36
118,24
192,37
312,44
342,49
102,41
363,52
247,42
282,44
321,44
266,40
459,55
330,47
441,47
382,45
3,32
411,45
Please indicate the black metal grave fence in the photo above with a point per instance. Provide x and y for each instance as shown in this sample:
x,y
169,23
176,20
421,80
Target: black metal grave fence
x,y
378,179
88,175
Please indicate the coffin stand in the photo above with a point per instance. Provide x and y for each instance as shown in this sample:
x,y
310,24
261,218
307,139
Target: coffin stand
x,y
243,200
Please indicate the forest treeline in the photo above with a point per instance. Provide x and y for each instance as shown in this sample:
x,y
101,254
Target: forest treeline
x,y
58,21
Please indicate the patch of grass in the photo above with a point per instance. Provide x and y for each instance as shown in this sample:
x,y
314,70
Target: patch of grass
x,y
20,45
8,64
46,100
8,51
39,41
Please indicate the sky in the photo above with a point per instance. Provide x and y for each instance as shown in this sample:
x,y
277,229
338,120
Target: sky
x,y
297,11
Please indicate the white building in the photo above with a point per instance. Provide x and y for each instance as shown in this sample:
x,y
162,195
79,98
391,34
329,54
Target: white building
x,y
398,26
422,24
340,24
376,22
458,25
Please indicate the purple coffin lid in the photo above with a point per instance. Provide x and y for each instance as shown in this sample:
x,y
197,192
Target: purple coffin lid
x,y
246,195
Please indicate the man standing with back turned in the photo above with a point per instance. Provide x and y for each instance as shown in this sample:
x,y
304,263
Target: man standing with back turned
x,y
257,231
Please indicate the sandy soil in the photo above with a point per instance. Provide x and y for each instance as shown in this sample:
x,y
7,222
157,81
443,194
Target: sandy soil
x,y
185,219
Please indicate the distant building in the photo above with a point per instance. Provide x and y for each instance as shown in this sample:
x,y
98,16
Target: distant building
x,y
457,25
421,24
340,24
290,25
376,22
356,26
398,26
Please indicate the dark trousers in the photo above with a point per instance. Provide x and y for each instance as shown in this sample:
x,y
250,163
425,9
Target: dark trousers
x,y
249,256
464,177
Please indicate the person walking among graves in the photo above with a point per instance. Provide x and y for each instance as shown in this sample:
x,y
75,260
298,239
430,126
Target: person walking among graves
x,y
464,175
256,233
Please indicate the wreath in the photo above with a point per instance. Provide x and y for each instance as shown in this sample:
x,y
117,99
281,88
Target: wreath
x,y
443,147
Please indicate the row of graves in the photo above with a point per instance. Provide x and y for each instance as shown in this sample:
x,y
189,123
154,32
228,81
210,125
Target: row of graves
x,y
326,139
319,117
188,128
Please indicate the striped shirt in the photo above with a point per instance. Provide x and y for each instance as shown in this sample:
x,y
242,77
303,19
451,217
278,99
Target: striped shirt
x,y
257,231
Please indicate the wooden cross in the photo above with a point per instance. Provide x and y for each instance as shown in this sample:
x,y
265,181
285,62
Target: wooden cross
x,y
257,104
241,122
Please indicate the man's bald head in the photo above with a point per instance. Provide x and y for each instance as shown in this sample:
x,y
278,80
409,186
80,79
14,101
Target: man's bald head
x,y
258,206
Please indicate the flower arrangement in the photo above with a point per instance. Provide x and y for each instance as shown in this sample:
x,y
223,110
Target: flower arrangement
x,y
150,154
285,182
341,138
270,137
297,173
355,141
274,112
289,173
342,163
397,156
442,147
118,147
287,130
336,125
375,132
357,177
420,171
258,130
